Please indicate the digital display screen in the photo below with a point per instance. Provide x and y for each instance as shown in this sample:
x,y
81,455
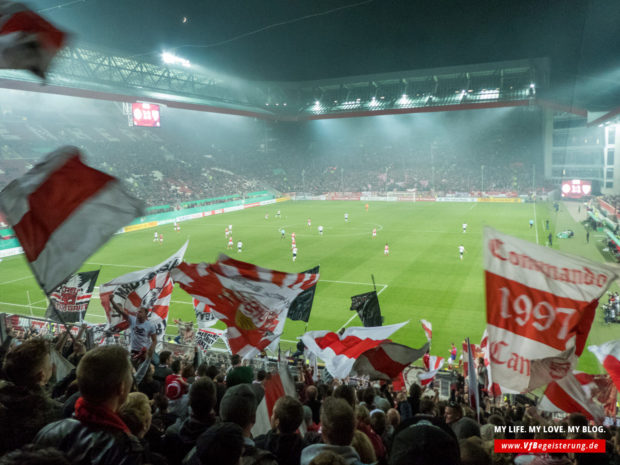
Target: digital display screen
x,y
145,114
576,188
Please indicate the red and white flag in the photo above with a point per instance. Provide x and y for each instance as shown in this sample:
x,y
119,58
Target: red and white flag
x,y
591,395
387,360
472,381
204,316
278,384
150,288
206,337
492,387
62,211
540,305
251,301
340,352
435,364
428,329
27,41
608,355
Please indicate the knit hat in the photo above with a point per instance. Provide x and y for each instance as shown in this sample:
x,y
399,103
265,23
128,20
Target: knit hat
x,y
424,443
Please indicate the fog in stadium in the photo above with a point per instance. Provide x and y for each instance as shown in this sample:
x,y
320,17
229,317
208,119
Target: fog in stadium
x,y
417,119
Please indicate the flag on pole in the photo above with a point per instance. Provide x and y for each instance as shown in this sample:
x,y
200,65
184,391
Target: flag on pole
x,y
62,211
608,355
251,301
71,298
206,337
340,352
435,364
150,288
301,306
204,316
492,387
428,329
367,307
540,305
591,395
387,360
277,385
27,41
474,395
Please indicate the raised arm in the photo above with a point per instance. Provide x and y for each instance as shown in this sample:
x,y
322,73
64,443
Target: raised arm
x,y
117,308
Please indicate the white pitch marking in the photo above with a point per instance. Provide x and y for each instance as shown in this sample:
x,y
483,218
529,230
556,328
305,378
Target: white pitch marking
x,y
18,279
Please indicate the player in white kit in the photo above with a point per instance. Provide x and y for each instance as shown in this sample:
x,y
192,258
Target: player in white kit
x,y
294,253
464,228
155,238
239,246
346,217
320,230
461,251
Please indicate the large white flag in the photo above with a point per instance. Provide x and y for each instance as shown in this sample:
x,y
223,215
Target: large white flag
x,y
150,288
540,305
62,211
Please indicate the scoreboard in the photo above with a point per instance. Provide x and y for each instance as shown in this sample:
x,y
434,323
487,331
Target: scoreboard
x,y
576,189
145,114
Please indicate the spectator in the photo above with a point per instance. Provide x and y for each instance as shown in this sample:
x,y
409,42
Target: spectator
x,y
221,444
283,440
338,427
363,424
35,455
181,436
163,369
423,444
328,458
473,453
176,390
463,427
313,403
312,429
239,406
25,406
97,435
238,374
149,385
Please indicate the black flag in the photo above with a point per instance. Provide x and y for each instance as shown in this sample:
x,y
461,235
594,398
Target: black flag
x,y
72,297
367,307
301,306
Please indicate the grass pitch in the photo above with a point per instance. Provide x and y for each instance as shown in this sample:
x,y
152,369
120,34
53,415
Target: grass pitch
x,y
422,277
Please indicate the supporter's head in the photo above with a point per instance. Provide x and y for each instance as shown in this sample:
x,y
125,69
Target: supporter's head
x,y
311,393
212,372
428,407
176,366
362,414
423,444
307,415
453,413
337,422
201,372
287,415
164,357
104,375
392,417
29,364
328,458
187,371
142,314
235,360
364,448
32,454
473,453
378,421
160,402
136,413
346,392
239,406
222,444
202,398
261,375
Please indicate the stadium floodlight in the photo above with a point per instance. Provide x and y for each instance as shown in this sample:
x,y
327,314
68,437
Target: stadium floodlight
x,y
532,85
373,102
171,59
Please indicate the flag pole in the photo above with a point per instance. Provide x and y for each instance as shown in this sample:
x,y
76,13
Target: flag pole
x,y
373,282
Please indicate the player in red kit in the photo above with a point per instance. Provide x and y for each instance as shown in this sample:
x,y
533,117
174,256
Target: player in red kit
x,y
386,250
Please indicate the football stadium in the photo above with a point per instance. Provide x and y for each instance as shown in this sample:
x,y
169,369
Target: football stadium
x,y
328,190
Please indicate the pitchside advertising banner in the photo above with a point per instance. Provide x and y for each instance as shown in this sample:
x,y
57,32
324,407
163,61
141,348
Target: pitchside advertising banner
x,y
540,306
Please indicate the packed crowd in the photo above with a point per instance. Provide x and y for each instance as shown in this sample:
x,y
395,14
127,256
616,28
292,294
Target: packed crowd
x,y
113,410
173,164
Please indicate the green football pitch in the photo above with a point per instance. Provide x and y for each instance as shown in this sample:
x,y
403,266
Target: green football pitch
x,y
422,277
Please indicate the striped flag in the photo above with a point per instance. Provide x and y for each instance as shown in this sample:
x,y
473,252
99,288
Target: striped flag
x,y
204,316
71,298
608,355
251,301
27,41
387,360
428,329
62,211
340,352
150,288
435,364
492,387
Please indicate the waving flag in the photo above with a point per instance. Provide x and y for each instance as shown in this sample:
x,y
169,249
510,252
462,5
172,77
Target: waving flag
x,y
608,354
301,306
71,298
150,288
251,301
540,305
341,352
435,364
204,316
205,338
492,387
387,360
428,329
367,307
474,395
27,41
62,211
591,395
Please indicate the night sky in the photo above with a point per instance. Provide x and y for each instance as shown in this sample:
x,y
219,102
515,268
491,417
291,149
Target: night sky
x,y
373,36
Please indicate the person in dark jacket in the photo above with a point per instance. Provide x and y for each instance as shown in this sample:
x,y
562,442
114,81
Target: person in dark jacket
x,y
163,369
25,406
97,435
283,440
181,436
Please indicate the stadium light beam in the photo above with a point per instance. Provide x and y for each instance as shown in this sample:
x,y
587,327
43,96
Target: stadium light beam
x,y
171,59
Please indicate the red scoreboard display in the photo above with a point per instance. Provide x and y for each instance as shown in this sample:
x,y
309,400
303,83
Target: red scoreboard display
x,y
145,114
576,189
